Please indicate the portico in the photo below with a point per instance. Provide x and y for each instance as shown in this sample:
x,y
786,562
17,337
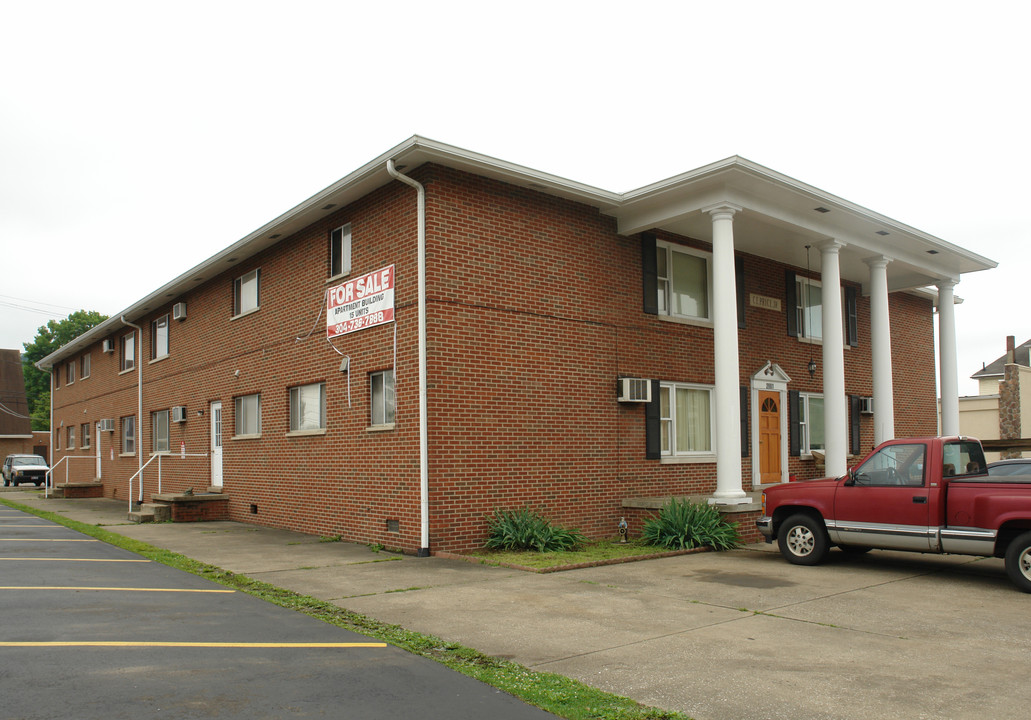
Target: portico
x,y
745,209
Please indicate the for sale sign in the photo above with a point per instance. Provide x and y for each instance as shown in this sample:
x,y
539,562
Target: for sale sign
x,y
361,303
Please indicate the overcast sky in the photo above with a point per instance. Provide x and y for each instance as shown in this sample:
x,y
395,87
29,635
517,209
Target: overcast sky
x,y
137,139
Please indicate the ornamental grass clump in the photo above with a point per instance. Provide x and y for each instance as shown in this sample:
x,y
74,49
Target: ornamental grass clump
x,y
527,530
681,525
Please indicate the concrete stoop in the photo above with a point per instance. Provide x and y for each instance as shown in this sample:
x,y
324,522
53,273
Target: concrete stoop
x,y
151,512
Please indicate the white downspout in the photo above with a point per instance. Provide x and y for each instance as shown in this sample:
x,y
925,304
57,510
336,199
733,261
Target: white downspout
x,y
50,460
424,472
137,357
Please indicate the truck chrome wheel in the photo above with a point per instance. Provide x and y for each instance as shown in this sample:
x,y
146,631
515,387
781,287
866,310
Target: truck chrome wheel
x,y
803,540
800,540
1018,562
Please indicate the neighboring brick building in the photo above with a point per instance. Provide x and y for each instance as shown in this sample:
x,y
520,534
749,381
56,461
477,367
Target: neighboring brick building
x,y
16,435
541,295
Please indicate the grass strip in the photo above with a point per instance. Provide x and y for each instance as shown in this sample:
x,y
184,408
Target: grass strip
x,y
553,693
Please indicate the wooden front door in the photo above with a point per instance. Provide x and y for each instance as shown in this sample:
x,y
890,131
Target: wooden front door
x,y
769,437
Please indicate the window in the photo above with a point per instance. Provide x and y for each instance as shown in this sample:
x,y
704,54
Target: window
x,y
129,435
308,407
71,437
684,282
809,308
159,440
340,251
159,338
84,433
685,416
894,465
57,440
69,370
383,398
128,357
810,423
85,366
248,415
245,293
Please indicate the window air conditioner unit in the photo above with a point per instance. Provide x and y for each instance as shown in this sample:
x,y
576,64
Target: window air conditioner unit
x,y
866,405
635,390
109,345
107,425
179,413
179,311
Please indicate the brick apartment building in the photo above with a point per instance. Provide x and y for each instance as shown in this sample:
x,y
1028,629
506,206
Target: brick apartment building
x,y
528,340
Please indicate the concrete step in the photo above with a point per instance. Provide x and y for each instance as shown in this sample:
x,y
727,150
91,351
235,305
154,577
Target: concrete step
x,y
151,512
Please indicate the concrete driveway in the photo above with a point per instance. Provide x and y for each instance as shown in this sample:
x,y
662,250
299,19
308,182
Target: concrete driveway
x,y
718,636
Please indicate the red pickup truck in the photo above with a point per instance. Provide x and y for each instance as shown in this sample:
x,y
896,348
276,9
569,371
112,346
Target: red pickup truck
x,y
930,495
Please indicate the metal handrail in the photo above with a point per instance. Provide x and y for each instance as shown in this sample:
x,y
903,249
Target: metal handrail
x,y
157,456
48,478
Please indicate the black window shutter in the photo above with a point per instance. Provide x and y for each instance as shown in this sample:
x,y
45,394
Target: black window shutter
x,y
854,406
649,274
794,434
791,302
744,422
852,317
331,255
739,273
653,425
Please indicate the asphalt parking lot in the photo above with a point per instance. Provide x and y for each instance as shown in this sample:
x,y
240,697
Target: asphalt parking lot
x,y
92,631
741,635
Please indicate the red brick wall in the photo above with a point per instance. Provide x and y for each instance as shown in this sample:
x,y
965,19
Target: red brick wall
x,y
534,309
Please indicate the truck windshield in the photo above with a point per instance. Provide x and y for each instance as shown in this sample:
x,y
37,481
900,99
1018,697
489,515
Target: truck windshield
x,y
964,457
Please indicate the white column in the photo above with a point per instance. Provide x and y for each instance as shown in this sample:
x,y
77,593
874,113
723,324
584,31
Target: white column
x,y
880,331
947,357
725,358
835,412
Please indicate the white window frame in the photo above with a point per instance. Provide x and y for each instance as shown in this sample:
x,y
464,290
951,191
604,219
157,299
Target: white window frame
x,y
85,366
340,251
247,293
160,332
247,416
84,439
69,373
382,413
668,421
664,280
159,442
307,421
802,315
127,345
71,437
128,428
804,423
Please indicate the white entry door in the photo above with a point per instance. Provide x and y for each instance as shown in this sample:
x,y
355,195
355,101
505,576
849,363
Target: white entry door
x,y
216,444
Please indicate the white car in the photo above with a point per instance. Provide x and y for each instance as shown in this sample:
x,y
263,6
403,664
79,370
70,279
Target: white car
x,y
20,469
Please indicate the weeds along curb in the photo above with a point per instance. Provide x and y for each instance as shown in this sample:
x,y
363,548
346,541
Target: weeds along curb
x,y
553,693
574,566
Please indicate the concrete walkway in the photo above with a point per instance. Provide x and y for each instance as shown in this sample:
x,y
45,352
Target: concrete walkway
x,y
718,636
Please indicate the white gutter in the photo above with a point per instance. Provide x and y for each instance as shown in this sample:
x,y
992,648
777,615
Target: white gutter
x,y
138,441
424,473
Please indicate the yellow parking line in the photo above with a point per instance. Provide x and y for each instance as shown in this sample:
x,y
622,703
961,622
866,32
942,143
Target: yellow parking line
x,y
5,525
71,559
101,643
108,589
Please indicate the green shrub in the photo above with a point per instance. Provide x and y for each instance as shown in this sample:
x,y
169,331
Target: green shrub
x,y
682,524
527,530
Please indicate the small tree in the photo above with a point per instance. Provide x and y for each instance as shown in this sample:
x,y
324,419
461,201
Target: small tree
x,y
49,338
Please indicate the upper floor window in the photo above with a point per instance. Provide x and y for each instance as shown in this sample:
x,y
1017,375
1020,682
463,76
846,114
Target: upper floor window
x,y
246,295
684,282
159,338
128,354
85,363
340,251
69,377
248,415
805,310
308,407
686,420
382,392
